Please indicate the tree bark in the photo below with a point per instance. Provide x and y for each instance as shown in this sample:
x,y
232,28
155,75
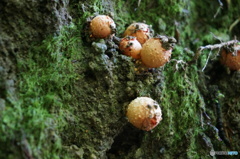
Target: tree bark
x,y
64,95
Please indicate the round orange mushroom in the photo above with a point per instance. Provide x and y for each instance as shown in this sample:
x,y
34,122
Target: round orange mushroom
x,y
102,26
231,58
144,113
139,30
130,46
157,51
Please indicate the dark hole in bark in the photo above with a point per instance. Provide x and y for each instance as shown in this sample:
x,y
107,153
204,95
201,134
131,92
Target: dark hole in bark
x,y
129,139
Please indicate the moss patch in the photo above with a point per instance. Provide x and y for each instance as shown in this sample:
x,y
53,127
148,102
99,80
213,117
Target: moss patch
x,y
72,96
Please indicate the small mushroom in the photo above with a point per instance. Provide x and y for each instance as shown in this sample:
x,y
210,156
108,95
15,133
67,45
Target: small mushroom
x,y
144,113
156,52
102,26
231,57
130,46
140,30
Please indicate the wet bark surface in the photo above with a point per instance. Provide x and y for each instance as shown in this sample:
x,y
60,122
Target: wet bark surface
x,y
90,87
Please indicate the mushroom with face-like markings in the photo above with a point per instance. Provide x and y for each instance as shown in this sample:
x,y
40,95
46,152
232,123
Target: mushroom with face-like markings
x,y
144,113
130,46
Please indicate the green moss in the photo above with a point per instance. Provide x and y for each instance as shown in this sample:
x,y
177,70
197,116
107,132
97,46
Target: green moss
x,y
45,85
181,105
72,98
180,101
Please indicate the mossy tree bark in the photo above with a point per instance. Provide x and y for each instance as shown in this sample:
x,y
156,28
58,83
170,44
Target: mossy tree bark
x,y
64,96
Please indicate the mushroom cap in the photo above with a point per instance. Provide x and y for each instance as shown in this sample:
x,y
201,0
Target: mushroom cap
x,y
153,54
102,26
230,60
130,46
144,113
139,30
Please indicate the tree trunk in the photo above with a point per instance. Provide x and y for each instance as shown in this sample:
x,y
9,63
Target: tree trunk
x,y
64,94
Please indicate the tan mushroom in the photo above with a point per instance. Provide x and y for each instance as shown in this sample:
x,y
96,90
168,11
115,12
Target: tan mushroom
x,y
102,26
130,46
144,113
231,58
140,30
153,54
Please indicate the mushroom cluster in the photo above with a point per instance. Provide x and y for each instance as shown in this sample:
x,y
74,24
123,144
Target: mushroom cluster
x,y
137,42
144,113
156,51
